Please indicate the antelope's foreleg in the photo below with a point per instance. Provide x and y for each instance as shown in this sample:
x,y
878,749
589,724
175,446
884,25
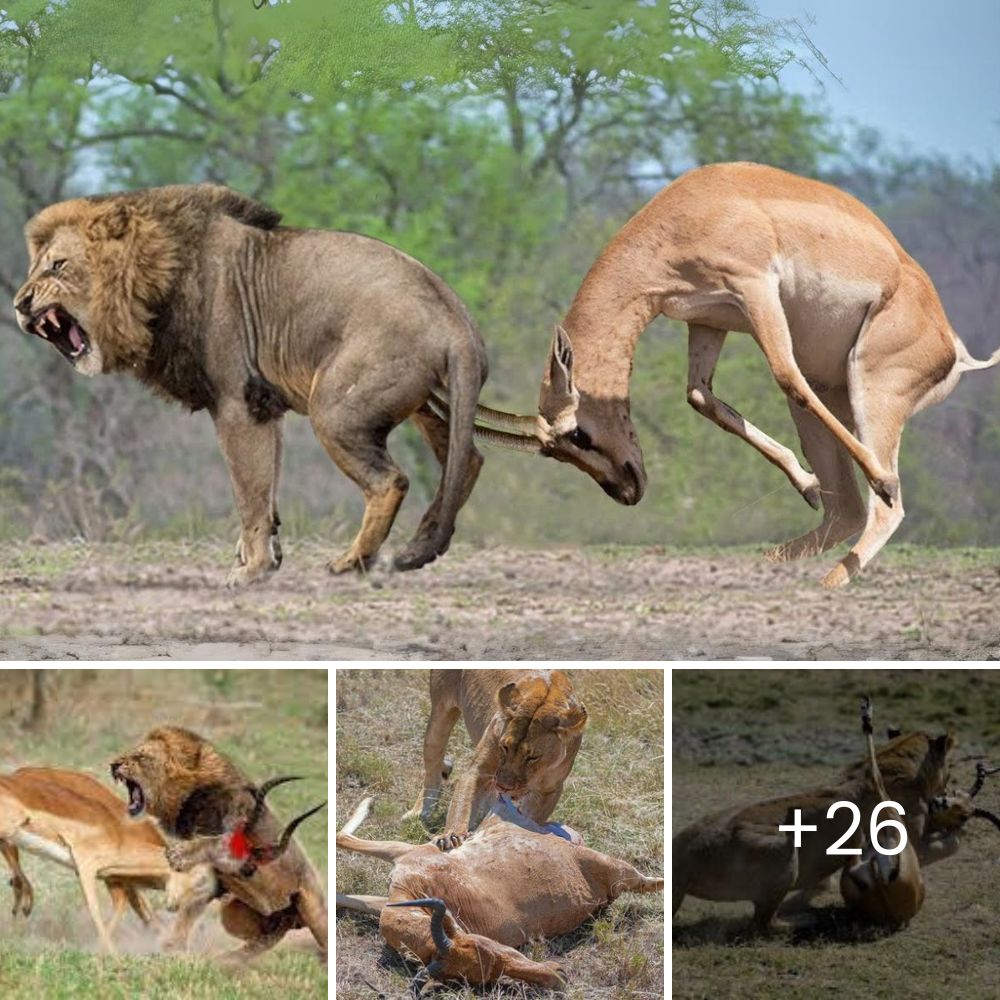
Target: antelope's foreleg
x,y
24,895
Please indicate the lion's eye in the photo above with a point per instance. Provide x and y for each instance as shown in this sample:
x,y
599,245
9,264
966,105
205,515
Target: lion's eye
x,y
57,265
531,760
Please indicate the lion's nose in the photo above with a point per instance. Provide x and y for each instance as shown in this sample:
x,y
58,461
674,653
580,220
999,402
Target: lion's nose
x,y
23,304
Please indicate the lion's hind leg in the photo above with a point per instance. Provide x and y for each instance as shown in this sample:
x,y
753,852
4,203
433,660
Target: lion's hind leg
x,y
352,418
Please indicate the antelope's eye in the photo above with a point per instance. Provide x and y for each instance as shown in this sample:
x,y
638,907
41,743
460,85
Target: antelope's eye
x,y
579,438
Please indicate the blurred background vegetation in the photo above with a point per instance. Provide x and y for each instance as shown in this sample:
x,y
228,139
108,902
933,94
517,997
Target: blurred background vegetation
x,y
502,143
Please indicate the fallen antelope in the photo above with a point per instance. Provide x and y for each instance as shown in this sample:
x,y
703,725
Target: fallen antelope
x,y
464,913
886,888
72,819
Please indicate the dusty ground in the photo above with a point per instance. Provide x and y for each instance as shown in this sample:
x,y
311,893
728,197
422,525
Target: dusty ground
x,y
740,736
166,600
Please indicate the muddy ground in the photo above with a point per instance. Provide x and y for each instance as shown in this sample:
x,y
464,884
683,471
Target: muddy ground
x,y
167,600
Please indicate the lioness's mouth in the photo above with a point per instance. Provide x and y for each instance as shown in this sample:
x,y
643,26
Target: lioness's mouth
x,y
62,330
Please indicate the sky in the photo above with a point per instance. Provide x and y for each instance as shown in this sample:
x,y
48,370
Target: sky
x,y
925,73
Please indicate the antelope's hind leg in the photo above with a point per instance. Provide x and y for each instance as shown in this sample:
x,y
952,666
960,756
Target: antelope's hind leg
x,y
843,508
24,895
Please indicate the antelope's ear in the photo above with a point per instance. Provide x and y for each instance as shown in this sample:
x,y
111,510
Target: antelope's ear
x,y
561,365
892,734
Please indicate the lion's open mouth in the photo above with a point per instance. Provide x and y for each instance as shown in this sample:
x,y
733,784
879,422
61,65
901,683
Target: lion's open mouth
x,y
136,798
61,330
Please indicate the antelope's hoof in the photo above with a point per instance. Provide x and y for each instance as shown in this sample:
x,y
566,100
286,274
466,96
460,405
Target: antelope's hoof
x,y
413,556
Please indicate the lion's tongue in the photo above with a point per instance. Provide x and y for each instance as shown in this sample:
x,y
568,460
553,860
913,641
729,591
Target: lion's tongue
x,y
76,338
136,800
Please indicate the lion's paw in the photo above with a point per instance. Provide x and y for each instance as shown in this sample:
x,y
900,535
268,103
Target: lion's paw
x,y
350,561
242,576
450,839
177,858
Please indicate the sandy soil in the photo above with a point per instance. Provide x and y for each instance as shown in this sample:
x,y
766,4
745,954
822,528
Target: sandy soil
x,y
166,600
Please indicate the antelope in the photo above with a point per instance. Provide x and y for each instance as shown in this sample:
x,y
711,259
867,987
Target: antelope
x,y
464,913
70,818
850,325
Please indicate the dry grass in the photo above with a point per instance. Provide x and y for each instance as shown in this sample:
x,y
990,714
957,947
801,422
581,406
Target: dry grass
x,y
614,797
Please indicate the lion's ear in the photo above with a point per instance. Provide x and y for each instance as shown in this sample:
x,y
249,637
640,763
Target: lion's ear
x,y
507,698
575,718
111,223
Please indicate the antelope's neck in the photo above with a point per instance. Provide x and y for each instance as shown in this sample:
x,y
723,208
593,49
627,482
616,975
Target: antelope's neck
x,y
604,321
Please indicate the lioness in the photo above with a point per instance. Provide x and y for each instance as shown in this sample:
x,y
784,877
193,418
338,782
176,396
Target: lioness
x,y
527,726
197,291
739,853
202,799
72,819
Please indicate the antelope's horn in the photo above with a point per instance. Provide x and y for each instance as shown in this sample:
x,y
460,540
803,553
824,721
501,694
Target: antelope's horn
x,y
259,794
438,909
512,422
286,834
982,771
984,814
513,442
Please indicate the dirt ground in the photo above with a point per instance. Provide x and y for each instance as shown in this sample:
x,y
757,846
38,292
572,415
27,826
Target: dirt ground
x,y
741,736
167,600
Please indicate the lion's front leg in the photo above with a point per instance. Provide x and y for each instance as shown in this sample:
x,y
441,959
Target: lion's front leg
x,y
252,452
183,855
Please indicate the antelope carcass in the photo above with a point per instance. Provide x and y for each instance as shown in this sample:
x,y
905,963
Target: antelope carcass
x,y
465,912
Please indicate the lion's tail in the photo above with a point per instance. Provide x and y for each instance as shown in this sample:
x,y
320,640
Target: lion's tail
x,y
465,379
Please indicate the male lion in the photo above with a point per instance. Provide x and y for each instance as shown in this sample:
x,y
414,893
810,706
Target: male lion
x,y
197,291
527,725
203,800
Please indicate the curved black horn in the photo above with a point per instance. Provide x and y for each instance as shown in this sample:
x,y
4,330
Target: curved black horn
x,y
259,794
983,814
438,909
286,834
982,771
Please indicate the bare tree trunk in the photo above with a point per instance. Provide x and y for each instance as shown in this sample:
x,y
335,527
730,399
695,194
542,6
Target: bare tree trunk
x,y
39,705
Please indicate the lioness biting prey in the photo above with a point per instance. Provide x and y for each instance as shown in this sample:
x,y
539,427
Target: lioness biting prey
x,y
527,725
202,799
201,294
